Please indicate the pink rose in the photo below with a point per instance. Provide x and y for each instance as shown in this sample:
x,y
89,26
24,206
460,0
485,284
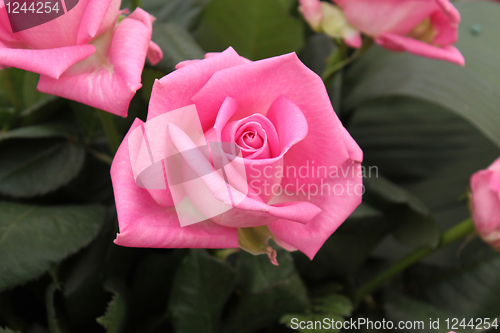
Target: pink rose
x,y
296,176
427,28
84,55
423,27
485,185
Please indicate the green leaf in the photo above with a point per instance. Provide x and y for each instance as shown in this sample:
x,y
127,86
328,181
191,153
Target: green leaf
x,y
386,194
114,317
472,92
152,282
415,230
49,130
471,291
403,308
10,81
46,158
7,116
201,287
19,97
83,297
32,238
267,292
332,306
256,29
414,226
177,45
289,5
42,110
185,13
30,95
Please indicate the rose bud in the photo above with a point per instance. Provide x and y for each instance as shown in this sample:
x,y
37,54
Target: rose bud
x,y
485,201
427,28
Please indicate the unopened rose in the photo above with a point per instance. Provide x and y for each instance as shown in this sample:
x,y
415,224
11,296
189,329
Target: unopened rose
x,y
427,28
84,55
287,169
485,186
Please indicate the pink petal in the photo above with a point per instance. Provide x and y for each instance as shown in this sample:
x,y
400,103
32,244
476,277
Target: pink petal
x,y
177,88
354,41
186,63
485,203
110,89
375,17
144,223
495,179
447,31
155,53
355,153
309,238
289,121
400,43
226,112
99,16
451,12
51,62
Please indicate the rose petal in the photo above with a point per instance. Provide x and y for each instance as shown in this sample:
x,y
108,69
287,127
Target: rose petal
x,y
232,133
51,62
401,43
374,17
447,31
177,88
155,54
354,40
144,223
485,202
310,237
99,16
451,11
226,111
110,89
